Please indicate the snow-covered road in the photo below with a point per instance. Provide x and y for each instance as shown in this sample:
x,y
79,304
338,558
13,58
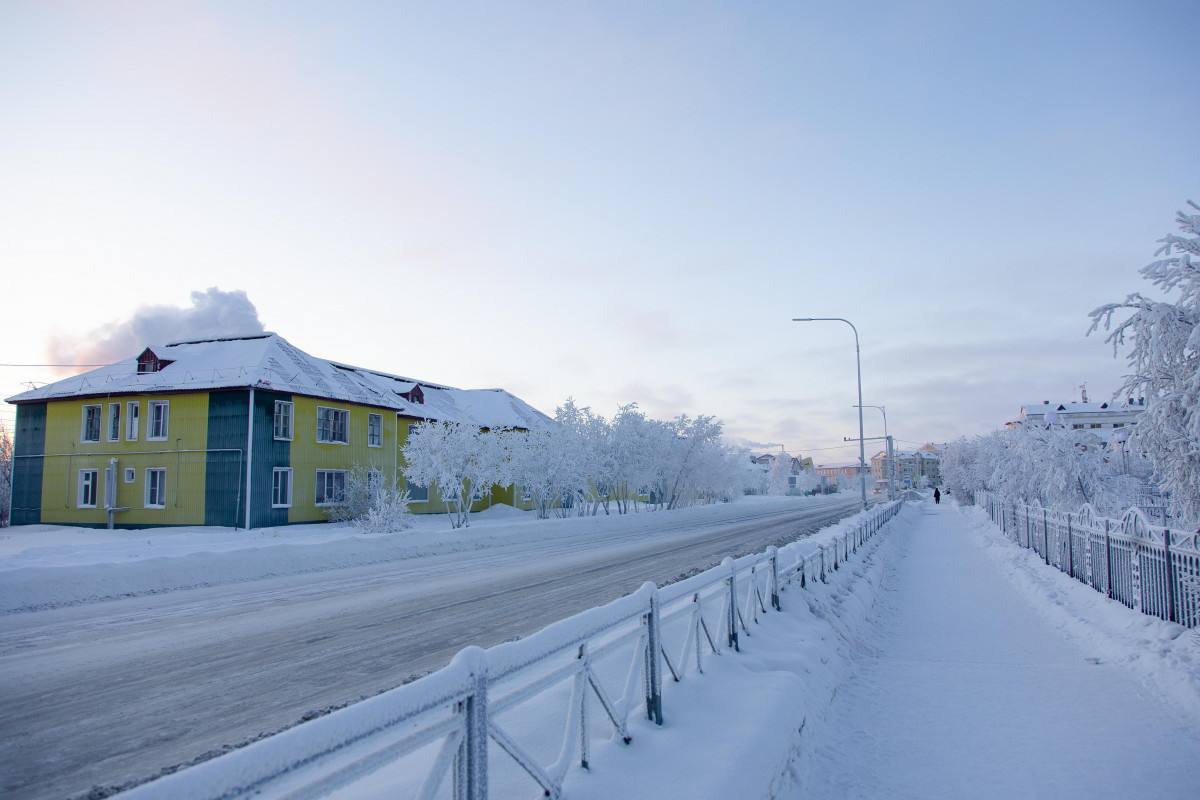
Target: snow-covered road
x,y
962,689
103,694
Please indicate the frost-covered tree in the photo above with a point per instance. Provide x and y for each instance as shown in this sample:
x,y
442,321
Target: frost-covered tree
x,y
6,469
542,462
1163,341
1055,466
463,462
807,481
779,473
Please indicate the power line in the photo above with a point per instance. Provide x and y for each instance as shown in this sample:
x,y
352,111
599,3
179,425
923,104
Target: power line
x,y
54,365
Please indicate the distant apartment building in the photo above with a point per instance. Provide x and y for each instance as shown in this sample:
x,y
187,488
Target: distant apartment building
x,y
846,469
911,466
1079,415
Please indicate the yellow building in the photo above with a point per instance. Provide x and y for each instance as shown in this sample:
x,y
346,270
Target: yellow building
x,y
241,431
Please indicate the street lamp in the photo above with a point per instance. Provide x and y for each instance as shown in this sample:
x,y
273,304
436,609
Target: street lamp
x,y
862,455
890,460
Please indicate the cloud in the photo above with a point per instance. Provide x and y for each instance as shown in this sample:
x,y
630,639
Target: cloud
x,y
212,313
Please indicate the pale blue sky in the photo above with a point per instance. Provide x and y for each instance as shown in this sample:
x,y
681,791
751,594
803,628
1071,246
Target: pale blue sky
x,y
616,201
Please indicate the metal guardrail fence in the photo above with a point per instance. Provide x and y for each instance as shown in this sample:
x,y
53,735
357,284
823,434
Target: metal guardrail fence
x,y
1149,568
615,655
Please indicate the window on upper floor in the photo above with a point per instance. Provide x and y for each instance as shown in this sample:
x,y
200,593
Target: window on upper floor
x,y
284,417
90,429
333,425
132,409
159,411
114,422
374,430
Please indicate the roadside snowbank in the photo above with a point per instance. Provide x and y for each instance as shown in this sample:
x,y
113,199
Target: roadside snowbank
x,y
43,566
1164,656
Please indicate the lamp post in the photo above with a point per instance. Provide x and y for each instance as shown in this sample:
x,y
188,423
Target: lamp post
x,y
891,463
862,455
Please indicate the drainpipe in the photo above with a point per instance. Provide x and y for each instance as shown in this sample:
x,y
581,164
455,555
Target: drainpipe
x,y
249,457
110,490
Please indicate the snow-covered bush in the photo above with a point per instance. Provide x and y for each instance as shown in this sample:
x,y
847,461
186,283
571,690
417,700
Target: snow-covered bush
x,y
387,512
371,503
1163,340
6,468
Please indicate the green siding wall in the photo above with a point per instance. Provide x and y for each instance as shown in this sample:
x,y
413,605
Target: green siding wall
x,y
225,473
268,454
27,472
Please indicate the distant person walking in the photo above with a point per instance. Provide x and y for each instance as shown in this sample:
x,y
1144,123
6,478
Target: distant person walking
x,y
937,495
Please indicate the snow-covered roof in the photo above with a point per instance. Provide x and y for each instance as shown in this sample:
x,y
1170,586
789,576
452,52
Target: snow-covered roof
x,y
268,361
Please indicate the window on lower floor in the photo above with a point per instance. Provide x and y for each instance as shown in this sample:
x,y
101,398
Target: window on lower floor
x,y
130,474
86,496
331,486
417,494
281,487
156,487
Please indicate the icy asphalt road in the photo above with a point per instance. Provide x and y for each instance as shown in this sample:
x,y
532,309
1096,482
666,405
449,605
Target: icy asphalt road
x,y
111,693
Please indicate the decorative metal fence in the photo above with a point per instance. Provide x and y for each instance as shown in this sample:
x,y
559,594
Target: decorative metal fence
x,y
1149,568
615,656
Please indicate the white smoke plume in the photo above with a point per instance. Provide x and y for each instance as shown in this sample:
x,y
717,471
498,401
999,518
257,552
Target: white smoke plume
x,y
212,313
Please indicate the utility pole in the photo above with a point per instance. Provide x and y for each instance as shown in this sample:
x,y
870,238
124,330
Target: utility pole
x,y
862,453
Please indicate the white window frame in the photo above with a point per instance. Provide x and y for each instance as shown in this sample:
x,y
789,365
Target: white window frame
x,y
94,484
114,418
83,422
166,420
345,428
378,420
289,418
162,488
275,473
319,487
130,475
133,413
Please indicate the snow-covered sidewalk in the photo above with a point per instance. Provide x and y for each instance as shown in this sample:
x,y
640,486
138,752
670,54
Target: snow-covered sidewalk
x,y
962,688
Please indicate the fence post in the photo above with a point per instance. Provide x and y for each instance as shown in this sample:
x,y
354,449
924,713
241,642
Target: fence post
x,y
774,553
653,668
1088,567
1070,548
733,600
1046,535
1107,561
1135,572
471,768
1170,576
822,548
